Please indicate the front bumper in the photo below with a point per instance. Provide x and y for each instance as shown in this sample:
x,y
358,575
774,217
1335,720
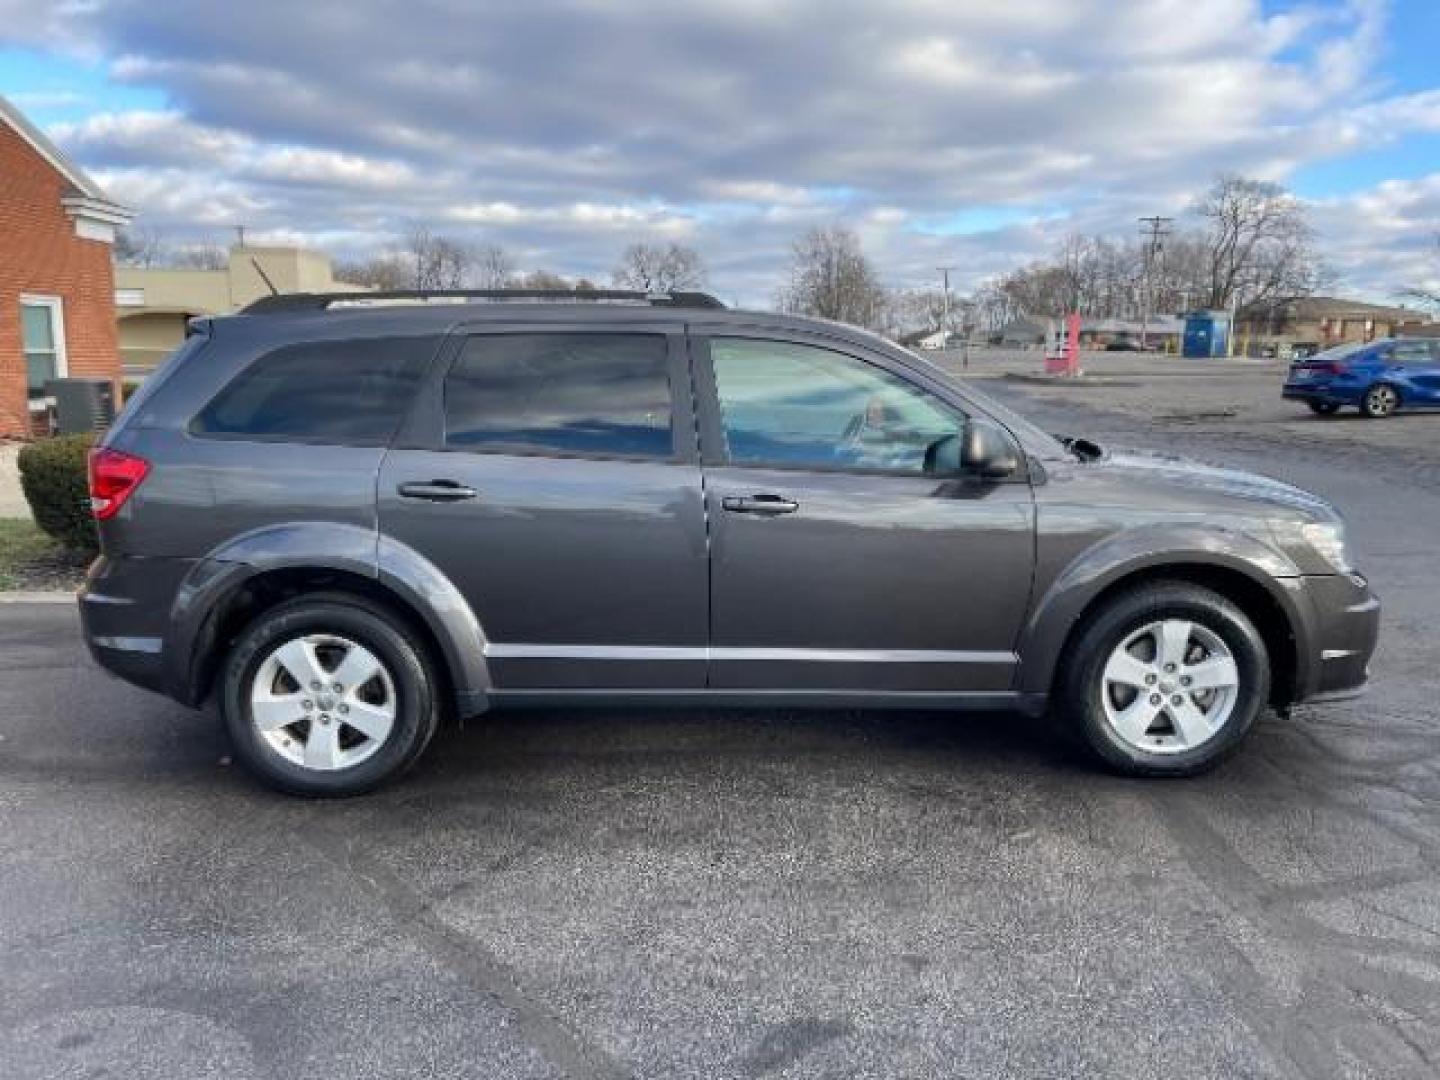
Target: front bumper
x,y
1345,624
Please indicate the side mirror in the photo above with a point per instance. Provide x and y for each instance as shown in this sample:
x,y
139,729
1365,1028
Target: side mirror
x,y
982,449
986,451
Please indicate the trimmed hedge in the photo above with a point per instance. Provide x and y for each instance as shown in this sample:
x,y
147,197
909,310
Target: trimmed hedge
x,y
57,487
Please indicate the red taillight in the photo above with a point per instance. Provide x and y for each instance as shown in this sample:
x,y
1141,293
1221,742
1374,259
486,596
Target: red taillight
x,y
114,476
1327,367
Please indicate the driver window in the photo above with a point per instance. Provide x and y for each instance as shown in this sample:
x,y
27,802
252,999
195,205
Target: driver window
x,y
803,406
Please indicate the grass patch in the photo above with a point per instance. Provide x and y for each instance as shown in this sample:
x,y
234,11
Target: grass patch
x,y
22,545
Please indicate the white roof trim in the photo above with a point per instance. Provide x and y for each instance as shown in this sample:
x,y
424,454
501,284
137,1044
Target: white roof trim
x,y
89,192
96,209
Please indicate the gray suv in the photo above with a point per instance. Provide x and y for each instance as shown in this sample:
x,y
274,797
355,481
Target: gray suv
x,y
347,520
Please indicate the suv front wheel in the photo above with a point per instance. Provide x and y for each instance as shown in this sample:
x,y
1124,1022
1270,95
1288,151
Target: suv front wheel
x,y
328,695
1166,680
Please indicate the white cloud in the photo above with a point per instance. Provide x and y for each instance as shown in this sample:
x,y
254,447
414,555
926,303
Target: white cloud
x,y
150,136
304,165
1384,240
566,128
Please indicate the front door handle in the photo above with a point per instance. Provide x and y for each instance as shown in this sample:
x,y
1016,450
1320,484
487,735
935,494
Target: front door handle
x,y
436,490
768,505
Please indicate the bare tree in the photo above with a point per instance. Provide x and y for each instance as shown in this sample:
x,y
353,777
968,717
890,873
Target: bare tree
x,y
139,245
830,277
1258,241
652,268
541,279
923,310
436,262
1253,244
206,255
388,271
493,268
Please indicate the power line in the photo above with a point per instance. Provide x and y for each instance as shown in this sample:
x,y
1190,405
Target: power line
x,y
1155,228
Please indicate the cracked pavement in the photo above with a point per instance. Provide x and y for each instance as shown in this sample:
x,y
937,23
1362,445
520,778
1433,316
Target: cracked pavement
x,y
699,893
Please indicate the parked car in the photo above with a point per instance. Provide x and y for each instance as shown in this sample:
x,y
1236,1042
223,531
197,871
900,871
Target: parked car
x,y
1377,377
345,523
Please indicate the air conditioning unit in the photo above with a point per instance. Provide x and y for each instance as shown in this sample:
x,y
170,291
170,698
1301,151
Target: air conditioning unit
x,y
80,405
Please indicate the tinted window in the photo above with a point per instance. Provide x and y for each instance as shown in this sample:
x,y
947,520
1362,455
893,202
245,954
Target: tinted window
x,y
605,394
350,392
787,404
1413,353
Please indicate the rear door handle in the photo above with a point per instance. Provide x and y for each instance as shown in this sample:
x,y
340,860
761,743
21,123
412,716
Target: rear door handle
x,y
436,490
768,505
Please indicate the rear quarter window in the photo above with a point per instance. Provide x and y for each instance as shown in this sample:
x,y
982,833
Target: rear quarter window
x,y
346,392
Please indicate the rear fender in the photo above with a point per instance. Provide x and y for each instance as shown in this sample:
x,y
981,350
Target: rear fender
x,y
413,580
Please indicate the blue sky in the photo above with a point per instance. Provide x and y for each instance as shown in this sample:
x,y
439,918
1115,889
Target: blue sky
x,y
967,133
1409,61
53,87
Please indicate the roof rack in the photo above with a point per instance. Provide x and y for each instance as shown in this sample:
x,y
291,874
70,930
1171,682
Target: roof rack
x,y
292,302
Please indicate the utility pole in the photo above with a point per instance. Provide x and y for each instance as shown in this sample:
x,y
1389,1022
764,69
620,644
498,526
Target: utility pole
x,y
945,305
1155,229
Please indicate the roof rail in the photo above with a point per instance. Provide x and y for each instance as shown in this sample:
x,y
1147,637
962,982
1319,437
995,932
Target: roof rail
x,y
293,302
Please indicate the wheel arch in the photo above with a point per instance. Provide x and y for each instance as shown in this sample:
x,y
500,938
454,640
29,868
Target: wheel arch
x,y
1272,602
251,574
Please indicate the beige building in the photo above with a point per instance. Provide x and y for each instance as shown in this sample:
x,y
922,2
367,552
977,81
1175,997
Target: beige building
x,y
1321,321
153,305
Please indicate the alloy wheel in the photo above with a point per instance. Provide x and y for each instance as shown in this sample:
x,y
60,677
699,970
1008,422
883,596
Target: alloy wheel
x,y
323,702
1169,686
1381,400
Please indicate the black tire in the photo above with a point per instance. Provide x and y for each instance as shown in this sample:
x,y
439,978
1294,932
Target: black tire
x,y
358,620
1324,408
1380,401
1080,684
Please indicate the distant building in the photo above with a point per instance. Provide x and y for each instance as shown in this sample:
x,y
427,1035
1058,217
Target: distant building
x,y
153,305
57,292
1320,321
932,339
1161,332
1021,332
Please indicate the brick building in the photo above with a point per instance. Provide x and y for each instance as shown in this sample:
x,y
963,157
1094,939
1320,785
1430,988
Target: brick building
x,y
1318,322
57,285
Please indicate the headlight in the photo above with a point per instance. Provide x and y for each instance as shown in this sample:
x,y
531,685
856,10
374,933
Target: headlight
x,y
1327,539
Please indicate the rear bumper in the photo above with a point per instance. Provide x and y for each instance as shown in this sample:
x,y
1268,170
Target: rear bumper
x,y
124,611
1326,395
1345,627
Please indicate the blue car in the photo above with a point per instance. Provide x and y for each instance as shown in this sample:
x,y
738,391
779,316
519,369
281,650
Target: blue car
x,y
1377,377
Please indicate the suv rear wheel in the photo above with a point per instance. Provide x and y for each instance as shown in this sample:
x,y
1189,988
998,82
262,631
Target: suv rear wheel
x,y
328,695
1166,680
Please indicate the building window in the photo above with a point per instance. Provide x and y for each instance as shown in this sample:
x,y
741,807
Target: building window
x,y
42,337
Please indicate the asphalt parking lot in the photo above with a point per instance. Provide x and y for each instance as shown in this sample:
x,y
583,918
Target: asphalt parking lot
x,y
736,894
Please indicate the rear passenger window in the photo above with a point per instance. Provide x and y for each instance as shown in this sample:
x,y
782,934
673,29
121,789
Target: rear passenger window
x,y
345,392
1415,353
600,394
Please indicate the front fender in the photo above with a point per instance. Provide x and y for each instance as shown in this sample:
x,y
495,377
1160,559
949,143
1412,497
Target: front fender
x,y
1146,550
412,579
